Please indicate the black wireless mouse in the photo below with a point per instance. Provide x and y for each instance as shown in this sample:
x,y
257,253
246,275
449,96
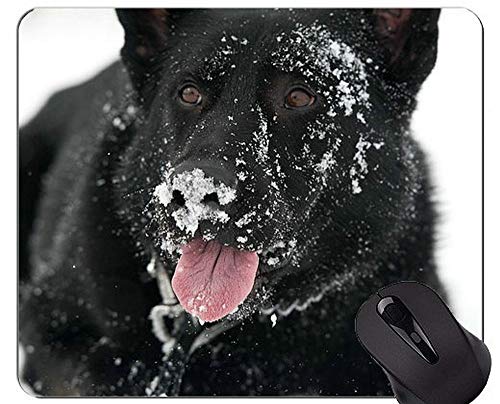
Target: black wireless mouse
x,y
427,355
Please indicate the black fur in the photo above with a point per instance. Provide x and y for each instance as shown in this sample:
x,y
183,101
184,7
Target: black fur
x,y
361,216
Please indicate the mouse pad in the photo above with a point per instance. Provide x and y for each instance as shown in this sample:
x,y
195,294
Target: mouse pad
x,y
207,196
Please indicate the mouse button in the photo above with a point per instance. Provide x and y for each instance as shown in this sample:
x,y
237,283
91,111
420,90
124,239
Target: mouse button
x,y
372,330
436,322
367,322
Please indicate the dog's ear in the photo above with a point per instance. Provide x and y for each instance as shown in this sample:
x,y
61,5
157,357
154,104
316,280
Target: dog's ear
x,y
408,38
147,33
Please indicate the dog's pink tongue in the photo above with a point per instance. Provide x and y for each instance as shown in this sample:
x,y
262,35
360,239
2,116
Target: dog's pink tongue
x,y
211,280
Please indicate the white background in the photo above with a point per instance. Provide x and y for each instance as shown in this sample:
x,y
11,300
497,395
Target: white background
x,y
487,11
62,47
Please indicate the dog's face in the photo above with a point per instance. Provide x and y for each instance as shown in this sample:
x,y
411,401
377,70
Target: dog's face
x,y
249,118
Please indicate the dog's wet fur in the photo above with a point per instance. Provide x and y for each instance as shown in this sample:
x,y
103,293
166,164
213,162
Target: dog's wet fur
x,y
338,188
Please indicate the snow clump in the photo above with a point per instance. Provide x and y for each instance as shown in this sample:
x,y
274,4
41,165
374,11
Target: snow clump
x,y
194,186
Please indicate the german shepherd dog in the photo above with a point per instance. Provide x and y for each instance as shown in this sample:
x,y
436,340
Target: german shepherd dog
x,y
206,215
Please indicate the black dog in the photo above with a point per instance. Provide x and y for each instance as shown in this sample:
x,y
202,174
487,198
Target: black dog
x,y
270,148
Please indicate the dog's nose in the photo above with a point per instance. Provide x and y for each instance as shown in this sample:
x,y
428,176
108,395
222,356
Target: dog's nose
x,y
208,183
211,199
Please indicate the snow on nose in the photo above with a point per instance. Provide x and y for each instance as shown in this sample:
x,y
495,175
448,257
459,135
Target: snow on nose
x,y
194,197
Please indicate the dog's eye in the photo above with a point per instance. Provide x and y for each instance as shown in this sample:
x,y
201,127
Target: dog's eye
x,y
190,95
299,98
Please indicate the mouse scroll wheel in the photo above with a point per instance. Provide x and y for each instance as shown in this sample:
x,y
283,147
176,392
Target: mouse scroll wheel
x,y
395,312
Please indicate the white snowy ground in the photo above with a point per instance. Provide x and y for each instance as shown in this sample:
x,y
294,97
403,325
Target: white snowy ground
x,y
60,47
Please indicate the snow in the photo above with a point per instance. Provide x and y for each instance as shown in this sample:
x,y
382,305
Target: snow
x,y
151,267
242,176
278,252
338,73
262,138
360,169
360,117
245,219
152,386
118,123
194,185
326,163
273,318
316,53
273,261
164,193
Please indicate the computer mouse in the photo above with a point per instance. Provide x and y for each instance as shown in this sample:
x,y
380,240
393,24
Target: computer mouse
x,y
427,355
